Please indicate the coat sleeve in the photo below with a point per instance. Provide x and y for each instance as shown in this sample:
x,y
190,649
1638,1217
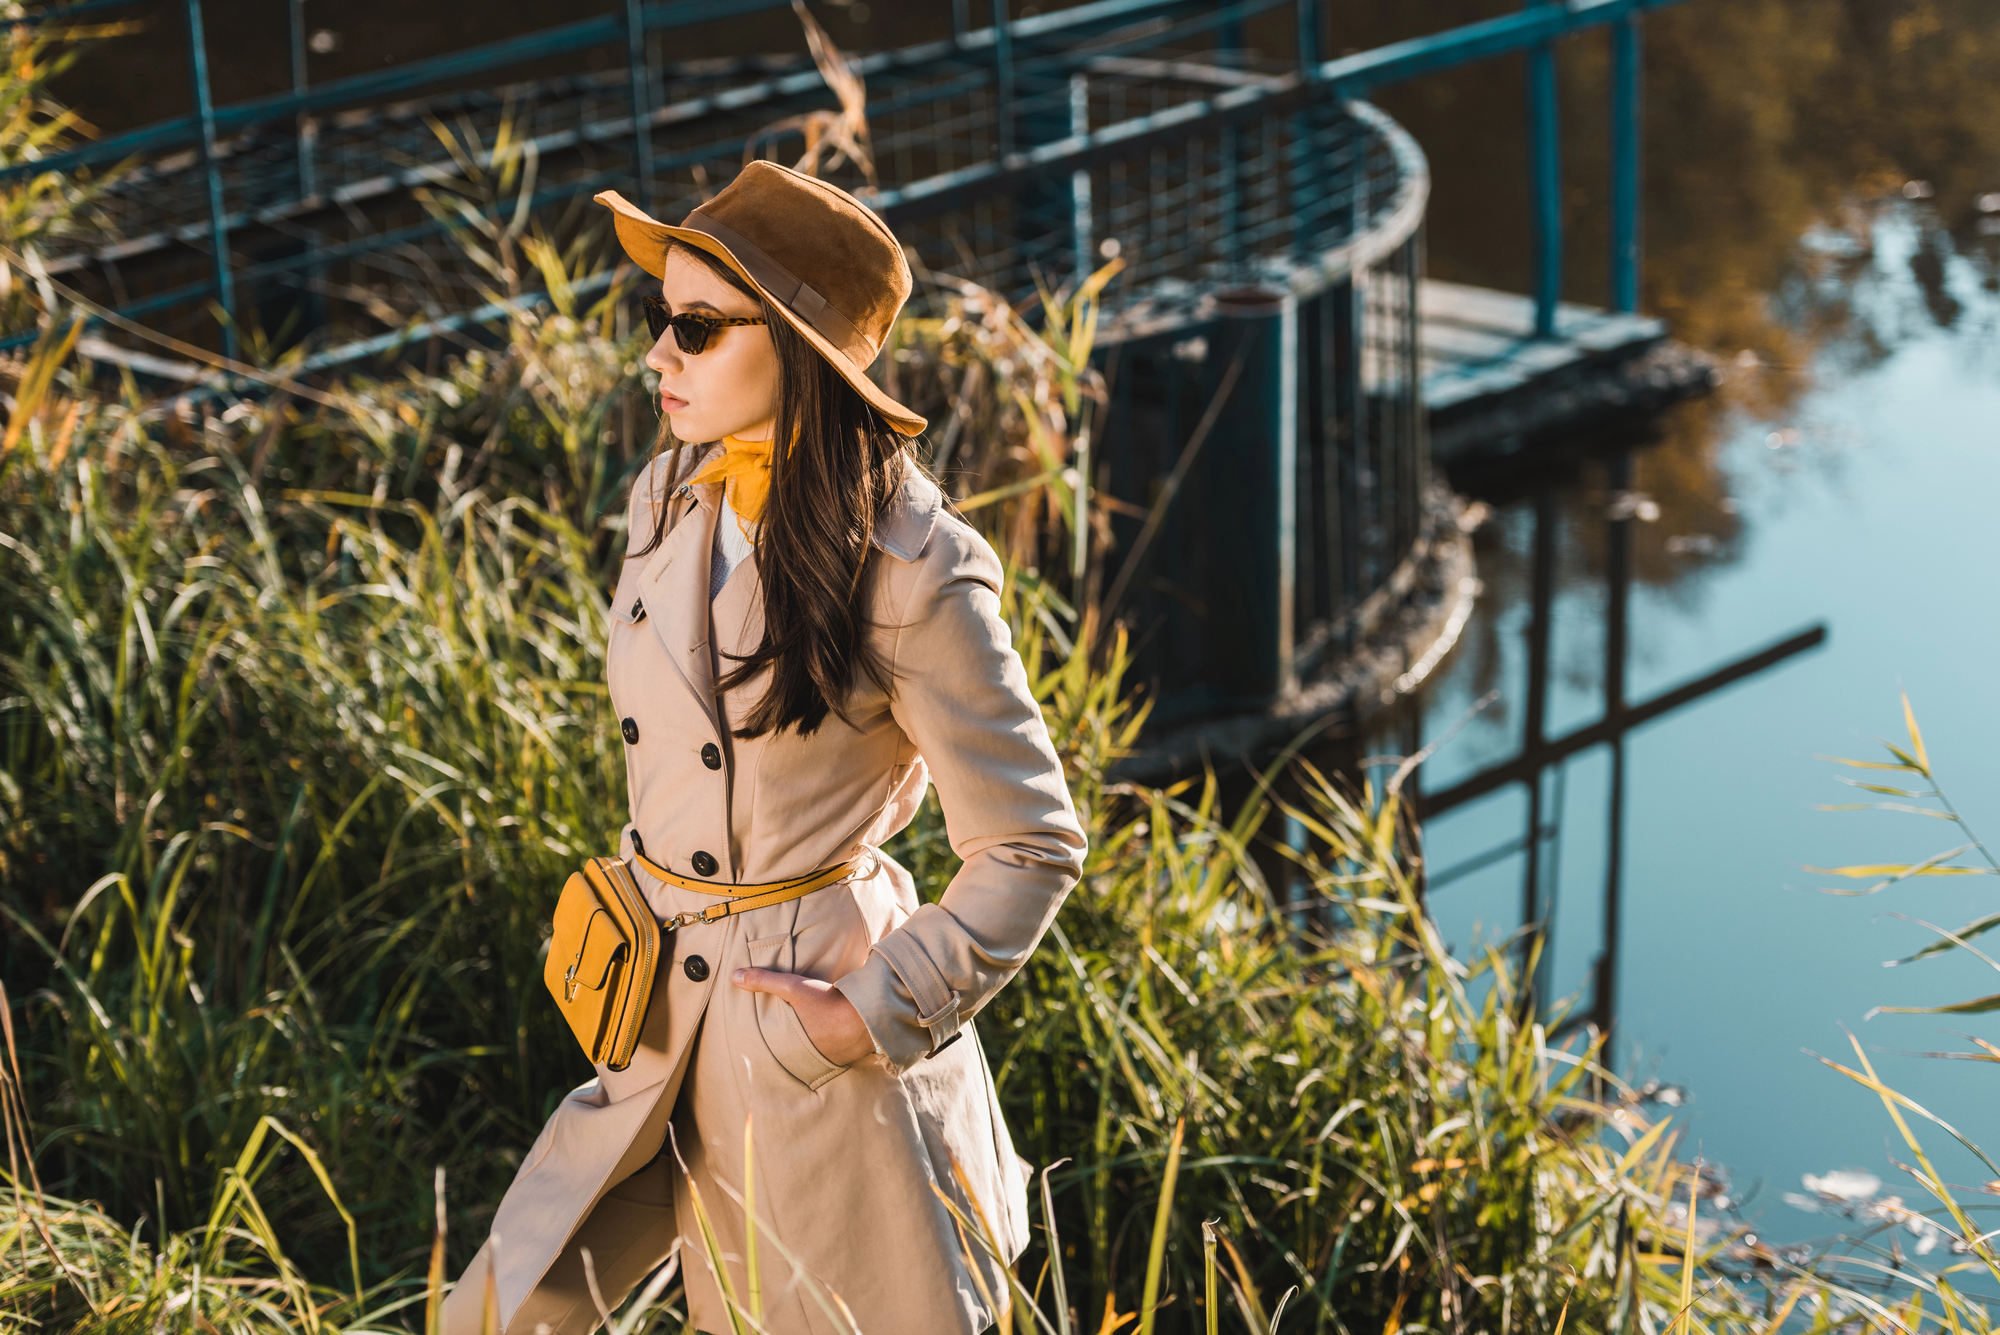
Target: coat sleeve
x,y
961,696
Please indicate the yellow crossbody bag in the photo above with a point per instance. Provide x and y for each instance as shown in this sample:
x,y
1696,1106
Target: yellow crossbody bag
x,y
606,945
602,957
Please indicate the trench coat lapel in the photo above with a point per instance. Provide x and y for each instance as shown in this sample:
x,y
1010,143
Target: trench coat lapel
x,y
676,593
738,613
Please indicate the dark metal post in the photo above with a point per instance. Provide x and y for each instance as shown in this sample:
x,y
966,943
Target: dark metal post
x,y
1625,162
1248,501
1618,587
1229,45
1308,24
1305,162
1003,76
1079,180
307,128
642,98
218,227
1545,161
961,17
1080,228
1347,491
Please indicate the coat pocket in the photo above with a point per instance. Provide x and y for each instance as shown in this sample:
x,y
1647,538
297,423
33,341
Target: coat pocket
x,y
779,1024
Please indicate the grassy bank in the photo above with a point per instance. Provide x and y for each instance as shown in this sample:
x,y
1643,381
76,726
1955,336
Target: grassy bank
x,y
304,723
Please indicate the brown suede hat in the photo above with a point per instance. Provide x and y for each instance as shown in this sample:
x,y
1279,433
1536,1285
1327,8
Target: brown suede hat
x,y
819,256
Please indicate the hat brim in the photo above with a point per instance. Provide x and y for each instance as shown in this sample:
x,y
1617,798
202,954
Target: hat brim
x,y
647,240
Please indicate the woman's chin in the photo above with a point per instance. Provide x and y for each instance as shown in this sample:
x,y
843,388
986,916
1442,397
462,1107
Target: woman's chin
x,y
691,428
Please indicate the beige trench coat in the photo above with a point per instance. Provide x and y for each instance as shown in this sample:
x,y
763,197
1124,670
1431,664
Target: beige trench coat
x,y
846,1157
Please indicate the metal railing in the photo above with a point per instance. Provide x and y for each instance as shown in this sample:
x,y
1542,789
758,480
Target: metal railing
x,y
1263,348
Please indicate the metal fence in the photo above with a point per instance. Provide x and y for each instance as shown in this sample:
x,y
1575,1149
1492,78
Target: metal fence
x,y
1263,359
299,207
1270,227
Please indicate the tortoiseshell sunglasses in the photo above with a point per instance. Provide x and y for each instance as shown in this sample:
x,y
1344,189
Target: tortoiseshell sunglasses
x,y
691,332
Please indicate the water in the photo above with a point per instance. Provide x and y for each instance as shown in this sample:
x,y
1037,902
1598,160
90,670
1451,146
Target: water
x,y
1865,499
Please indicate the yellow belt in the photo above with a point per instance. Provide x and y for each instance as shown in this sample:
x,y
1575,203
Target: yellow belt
x,y
741,898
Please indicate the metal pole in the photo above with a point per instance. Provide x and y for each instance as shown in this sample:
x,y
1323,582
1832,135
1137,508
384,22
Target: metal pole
x,y
1003,76
1305,163
1625,158
961,17
1229,49
307,127
1545,160
1080,225
1288,494
1349,503
1308,24
218,229
1079,180
642,99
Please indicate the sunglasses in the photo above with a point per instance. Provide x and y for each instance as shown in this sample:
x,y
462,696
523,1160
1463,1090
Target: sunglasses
x,y
691,332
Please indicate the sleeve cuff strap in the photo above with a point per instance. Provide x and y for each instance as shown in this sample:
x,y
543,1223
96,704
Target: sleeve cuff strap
x,y
937,1003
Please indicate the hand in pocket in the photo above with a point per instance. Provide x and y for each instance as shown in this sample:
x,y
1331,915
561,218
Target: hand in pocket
x,y
827,1016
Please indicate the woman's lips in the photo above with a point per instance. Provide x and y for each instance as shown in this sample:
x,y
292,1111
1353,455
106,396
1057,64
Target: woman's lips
x,y
670,404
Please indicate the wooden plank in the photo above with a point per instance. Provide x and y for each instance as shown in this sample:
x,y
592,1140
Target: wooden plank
x,y
1478,342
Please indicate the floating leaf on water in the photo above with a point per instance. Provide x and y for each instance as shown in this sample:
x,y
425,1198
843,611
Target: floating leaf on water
x,y
1843,1184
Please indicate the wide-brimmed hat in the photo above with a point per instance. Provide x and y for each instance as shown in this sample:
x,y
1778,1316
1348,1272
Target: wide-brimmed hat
x,y
818,255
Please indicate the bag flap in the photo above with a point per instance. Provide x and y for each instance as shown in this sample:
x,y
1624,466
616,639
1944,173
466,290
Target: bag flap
x,y
602,947
586,943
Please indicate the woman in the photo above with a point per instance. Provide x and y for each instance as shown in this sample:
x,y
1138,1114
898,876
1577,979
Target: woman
x,y
802,639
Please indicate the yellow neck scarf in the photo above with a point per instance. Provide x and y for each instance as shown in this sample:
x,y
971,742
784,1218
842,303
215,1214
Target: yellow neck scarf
x,y
744,469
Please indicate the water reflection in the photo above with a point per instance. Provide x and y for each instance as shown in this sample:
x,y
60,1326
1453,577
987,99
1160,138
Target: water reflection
x,y
1859,496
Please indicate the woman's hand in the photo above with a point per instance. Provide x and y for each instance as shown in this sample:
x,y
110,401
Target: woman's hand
x,y
830,1020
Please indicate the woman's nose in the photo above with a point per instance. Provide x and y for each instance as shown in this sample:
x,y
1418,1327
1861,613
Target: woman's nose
x,y
664,357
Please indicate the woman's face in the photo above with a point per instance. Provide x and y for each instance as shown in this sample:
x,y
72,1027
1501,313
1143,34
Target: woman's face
x,y
729,388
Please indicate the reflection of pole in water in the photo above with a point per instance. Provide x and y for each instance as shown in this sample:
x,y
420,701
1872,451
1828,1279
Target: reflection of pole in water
x,y
1618,589
1540,753
1534,733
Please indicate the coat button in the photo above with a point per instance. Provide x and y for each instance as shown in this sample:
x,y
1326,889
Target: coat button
x,y
638,609
696,968
711,755
630,727
704,864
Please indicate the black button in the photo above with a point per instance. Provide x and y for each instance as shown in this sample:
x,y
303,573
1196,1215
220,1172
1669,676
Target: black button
x,y
630,727
711,756
704,864
696,968
638,609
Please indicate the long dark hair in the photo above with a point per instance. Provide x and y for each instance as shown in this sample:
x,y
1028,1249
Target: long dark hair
x,y
827,490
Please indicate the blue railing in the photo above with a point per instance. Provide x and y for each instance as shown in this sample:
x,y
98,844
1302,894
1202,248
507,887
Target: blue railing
x,y
1534,30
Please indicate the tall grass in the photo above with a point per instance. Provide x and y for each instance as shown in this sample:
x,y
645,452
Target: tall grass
x,y
42,207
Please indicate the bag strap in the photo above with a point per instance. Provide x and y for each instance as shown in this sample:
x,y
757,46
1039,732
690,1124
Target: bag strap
x,y
737,899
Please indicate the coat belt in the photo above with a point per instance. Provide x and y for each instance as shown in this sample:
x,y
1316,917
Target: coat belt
x,y
735,899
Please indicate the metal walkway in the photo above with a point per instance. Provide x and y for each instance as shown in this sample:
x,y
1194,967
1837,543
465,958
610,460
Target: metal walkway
x,y
292,205
1270,219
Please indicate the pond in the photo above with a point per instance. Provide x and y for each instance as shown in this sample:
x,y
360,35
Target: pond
x,y
1846,474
